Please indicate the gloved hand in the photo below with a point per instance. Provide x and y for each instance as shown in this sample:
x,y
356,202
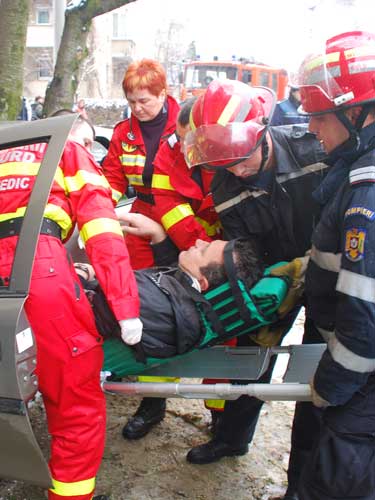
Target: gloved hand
x,y
131,330
268,336
295,271
316,399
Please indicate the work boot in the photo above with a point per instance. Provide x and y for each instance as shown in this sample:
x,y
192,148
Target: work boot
x,y
213,451
101,497
150,412
215,418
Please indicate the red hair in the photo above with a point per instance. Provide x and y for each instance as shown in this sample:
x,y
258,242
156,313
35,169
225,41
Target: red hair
x,y
145,74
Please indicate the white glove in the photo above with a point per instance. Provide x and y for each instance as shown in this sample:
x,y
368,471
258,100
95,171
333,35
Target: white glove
x,y
131,330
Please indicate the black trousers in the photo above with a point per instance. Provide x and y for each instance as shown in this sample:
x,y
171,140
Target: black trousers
x,y
237,423
342,462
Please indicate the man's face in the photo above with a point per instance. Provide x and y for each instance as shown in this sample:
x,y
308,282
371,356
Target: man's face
x,y
200,255
144,105
248,167
83,134
329,131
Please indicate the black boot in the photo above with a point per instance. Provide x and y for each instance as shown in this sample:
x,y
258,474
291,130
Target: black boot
x,y
101,497
150,412
213,451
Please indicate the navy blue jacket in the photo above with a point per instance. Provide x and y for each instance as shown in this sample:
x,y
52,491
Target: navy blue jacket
x,y
276,209
340,280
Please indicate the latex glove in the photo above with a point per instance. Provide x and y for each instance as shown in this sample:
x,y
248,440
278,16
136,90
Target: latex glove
x,y
316,399
131,330
295,271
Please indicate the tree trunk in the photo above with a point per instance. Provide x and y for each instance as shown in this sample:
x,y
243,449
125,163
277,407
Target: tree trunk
x,y
13,27
72,51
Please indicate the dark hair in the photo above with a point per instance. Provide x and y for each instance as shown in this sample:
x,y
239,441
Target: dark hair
x,y
249,266
184,113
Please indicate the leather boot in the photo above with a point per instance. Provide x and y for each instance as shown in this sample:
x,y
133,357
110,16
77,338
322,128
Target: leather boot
x,y
150,412
213,451
101,497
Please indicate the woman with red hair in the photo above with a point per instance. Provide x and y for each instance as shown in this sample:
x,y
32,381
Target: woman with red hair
x,y
135,142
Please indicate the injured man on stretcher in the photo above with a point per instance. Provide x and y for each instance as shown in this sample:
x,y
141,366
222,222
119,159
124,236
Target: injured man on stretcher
x,y
216,291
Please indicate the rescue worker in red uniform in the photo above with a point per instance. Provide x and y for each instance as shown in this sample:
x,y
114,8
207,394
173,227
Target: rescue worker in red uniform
x,y
69,352
183,200
184,206
135,142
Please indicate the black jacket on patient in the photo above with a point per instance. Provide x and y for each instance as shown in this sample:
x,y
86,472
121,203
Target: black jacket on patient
x,y
171,322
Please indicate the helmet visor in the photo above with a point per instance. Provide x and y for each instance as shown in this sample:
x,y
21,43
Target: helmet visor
x,y
219,146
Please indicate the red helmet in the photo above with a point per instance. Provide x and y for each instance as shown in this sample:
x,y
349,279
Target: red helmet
x,y
227,123
343,76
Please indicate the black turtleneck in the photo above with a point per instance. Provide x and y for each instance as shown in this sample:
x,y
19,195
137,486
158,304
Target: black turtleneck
x,y
151,132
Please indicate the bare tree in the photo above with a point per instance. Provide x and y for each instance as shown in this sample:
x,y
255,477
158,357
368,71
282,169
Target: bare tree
x,y
13,27
73,50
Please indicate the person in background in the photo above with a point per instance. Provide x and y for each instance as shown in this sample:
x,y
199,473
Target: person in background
x,y
262,190
26,112
69,347
338,93
37,108
184,207
80,108
286,111
136,141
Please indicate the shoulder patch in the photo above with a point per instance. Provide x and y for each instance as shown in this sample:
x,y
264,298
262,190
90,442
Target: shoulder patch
x,y
362,174
172,140
355,244
128,148
366,212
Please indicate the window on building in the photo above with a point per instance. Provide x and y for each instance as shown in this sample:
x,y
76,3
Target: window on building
x,y
119,26
44,69
42,16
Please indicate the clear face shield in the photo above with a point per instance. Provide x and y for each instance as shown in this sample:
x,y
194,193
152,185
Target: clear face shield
x,y
221,146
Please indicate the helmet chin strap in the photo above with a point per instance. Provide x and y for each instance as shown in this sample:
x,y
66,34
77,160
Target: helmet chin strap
x,y
265,153
354,140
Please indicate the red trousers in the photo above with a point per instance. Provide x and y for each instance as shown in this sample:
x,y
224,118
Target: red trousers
x,y
139,249
69,360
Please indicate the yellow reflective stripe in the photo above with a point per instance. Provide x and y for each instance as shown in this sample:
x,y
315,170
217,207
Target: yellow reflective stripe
x,y
59,179
20,212
211,229
132,160
53,212
365,50
58,215
82,178
217,404
116,195
162,182
100,226
176,215
229,109
134,179
148,378
77,488
322,60
21,168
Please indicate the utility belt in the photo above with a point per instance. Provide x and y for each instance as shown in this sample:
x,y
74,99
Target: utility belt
x,y
12,227
146,198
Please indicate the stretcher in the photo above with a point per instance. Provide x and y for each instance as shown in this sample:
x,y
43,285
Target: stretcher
x,y
20,454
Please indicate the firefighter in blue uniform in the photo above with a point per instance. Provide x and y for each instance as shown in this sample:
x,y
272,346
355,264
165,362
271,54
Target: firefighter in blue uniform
x,y
262,190
338,92
286,111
